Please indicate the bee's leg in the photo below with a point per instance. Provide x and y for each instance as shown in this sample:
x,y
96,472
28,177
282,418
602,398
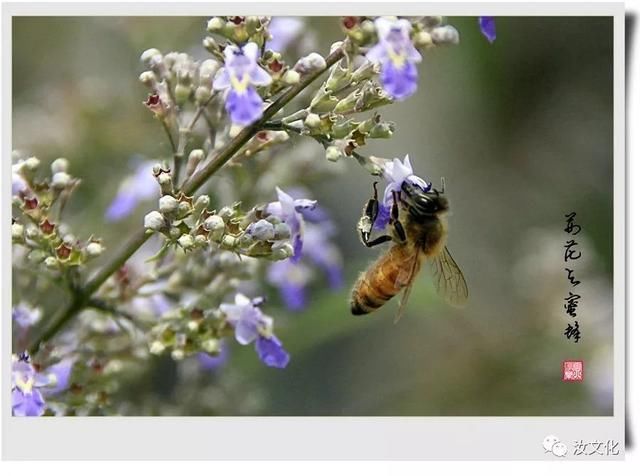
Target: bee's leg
x,y
369,215
377,241
394,220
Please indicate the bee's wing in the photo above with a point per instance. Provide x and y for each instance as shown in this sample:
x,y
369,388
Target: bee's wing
x,y
449,280
405,279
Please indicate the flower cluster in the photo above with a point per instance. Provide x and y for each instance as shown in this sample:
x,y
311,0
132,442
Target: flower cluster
x,y
47,241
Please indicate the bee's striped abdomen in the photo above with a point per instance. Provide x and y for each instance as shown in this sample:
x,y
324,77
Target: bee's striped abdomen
x,y
380,282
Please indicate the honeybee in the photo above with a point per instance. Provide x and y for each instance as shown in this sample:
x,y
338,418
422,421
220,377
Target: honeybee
x,y
419,232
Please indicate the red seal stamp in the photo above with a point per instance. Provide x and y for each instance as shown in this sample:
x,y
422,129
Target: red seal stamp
x,y
572,370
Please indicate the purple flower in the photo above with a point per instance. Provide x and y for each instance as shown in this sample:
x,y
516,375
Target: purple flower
x,y
271,352
488,28
136,188
26,398
246,318
290,211
396,172
239,75
397,56
25,316
283,31
251,324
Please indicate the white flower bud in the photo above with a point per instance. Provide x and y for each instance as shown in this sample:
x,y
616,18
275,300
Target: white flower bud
x,y
201,240
156,347
208,70
94,249
333,153
202,202
60,180
215,225
186,241
167,205
422,39
202,94
262,230
32,232
282,231
312,121
193,325
291,77
59,165
69,239
445,35
182,93
17,231
32,163
37,256
278,137
283,251
175,232
229,241
215,24
196,155
311,63
147,78
154,221
177,354
148,55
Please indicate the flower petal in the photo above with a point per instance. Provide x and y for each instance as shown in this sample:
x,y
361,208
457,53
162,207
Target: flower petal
x,y
488,28
244,107
400,82
222,80
271,352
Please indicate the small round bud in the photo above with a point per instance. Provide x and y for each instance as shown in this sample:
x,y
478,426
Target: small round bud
x,y
156,347
215,24
50,262
167,205
214,223
147,78
291,77
94,249
186,241
202,202
282,252
202,94
154,221
148,55
17,231
207,71
282,231
312,121
274,220
177,354
175,232
182,93
37,256
261,230
60,180
446,35
333,153
196,155
193,325
209,44
368,27
183,208
201,240
59,165
32,163
311,63
229,241
225,213
245,240
422,39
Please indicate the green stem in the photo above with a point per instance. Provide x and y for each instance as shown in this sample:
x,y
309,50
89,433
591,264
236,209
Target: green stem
x,y
84,294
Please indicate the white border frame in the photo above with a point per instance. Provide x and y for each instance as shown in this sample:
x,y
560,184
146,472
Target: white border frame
x,y
342,438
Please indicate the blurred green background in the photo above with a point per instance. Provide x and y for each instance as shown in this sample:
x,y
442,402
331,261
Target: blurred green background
x,y
521,129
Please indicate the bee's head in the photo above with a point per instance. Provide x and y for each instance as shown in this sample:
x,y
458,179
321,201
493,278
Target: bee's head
x,y
422,199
